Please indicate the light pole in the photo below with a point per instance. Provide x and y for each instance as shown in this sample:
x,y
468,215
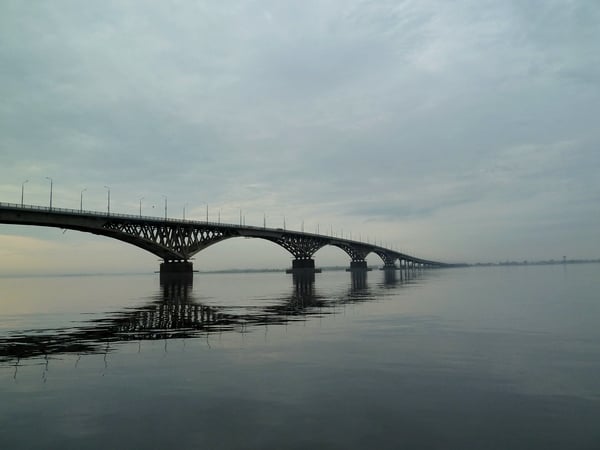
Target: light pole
x,y
81,199
142,198
108,203
51,182
207,213
184,211
22,191
165,206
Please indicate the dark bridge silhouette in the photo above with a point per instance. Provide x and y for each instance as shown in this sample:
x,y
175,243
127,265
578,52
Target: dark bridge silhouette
x,y
176,241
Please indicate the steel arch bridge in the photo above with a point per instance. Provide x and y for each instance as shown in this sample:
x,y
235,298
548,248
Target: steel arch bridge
x,y
176,241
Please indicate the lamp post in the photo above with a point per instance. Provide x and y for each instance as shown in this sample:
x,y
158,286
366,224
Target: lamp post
x,y
23,190
108,203
51,182
184,211
141,206
81,199
165,206
207,213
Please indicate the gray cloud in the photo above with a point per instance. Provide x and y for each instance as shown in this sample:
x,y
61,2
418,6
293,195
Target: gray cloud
x,y
373,114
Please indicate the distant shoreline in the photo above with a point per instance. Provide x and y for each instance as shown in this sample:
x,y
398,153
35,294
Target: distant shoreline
x,y
551,262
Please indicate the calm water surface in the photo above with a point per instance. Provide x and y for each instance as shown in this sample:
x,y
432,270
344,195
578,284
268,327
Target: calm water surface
x,y
478,358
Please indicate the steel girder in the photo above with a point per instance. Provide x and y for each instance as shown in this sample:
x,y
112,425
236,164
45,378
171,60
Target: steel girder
x,y
388,259
302,247
356,252
168,241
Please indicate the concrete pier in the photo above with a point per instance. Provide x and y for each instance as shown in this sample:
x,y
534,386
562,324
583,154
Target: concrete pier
x,y
176,271
358,266
303,266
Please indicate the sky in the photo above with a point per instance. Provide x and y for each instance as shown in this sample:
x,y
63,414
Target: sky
x,y
462,131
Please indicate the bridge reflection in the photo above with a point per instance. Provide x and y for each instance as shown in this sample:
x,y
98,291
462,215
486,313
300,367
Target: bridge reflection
x,y
174,312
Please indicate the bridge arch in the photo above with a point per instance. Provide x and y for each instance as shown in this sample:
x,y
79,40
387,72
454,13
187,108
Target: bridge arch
x,y
243,252
331,255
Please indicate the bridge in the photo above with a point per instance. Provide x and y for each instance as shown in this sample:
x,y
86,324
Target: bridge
x,y
176,241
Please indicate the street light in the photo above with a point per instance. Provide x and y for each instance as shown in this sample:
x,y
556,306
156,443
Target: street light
x,y
23,190
165,206
184,211
81,199
108,204
141,206
48,178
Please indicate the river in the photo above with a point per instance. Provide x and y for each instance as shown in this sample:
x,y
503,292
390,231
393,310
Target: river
x,y
461,358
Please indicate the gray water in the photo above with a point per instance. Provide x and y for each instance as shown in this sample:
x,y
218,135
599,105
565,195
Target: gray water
x,y
470,358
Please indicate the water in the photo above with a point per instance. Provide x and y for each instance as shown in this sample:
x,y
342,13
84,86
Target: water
x,y
478,358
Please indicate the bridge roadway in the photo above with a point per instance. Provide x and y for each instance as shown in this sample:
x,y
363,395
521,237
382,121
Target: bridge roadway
x,y
176,241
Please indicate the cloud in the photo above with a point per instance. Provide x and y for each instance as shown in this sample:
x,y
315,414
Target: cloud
x,y
373,114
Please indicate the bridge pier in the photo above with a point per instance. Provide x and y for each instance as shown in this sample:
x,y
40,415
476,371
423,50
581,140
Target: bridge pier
x,y
389,276
176,271
358,266
305,266
359,279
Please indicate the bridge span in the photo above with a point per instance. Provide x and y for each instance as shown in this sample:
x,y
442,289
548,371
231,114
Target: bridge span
x,y
176,241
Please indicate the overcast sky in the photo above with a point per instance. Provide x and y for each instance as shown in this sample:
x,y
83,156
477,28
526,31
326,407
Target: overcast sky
x,y
457,131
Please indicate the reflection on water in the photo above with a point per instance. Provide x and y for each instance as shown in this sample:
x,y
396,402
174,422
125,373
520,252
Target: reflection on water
x,y
174,312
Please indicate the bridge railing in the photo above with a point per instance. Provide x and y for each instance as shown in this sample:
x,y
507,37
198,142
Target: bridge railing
x,y
88,213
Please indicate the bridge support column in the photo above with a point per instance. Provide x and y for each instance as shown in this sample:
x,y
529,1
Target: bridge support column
x,y
358,266
359,279
176,270
389,275
303,266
